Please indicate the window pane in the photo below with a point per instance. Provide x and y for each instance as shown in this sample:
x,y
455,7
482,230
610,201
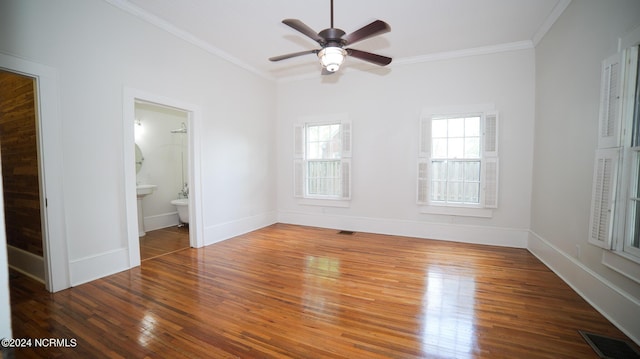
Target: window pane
x,y
472,127
635,126
472,192
312,150
634,216
456,127
439,128
456,171
455,149
454,192
323,141
472,147
438,190
439,148
439,169
312,133
472,171
637,176
455,165
635,232
323,178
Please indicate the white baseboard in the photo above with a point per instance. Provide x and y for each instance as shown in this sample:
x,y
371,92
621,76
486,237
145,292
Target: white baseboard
x,y
618,306
90,268
161,221
495,236
26,263
221,231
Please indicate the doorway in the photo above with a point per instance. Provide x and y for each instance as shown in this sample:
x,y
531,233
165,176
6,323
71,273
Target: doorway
x,y
49,141
161,144
138,102
21,174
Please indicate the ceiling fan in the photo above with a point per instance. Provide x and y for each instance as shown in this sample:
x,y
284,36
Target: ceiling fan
x,y
333,41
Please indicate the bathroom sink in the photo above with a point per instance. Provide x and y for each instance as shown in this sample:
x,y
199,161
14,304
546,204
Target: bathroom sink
x,y
145,189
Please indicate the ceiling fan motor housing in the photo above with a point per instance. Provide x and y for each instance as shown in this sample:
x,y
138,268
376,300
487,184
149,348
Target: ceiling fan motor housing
x,y
332,36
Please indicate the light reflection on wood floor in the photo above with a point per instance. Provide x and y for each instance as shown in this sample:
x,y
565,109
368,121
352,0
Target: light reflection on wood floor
x,y
162,241
299,292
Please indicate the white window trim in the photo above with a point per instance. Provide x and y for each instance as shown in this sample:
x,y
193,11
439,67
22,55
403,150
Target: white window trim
x,y
481,210
299,160
625,118
614,256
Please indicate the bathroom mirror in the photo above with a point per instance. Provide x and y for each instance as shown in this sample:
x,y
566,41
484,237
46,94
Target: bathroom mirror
x,y
139,158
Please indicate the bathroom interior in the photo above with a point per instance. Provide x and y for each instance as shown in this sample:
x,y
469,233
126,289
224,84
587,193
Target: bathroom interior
x,y
162,143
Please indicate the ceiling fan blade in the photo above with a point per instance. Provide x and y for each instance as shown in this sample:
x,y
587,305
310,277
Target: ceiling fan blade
x,y
367,56
295,54
304,29
375,28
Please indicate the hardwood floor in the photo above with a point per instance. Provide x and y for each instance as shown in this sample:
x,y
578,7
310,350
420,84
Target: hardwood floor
x,y
162,241
301,292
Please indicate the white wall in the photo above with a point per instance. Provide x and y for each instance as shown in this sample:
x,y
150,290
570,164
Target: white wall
x,y
568,62
97,51
385,109
165,161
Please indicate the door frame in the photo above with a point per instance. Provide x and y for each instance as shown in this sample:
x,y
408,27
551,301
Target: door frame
x,y
194,113
50,168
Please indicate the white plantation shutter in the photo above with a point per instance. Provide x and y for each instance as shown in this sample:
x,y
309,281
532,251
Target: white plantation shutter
x,y
423,181
345,129
602,198
491,134
298,141
490,160
605,171
491,182
425,136
345,177
610,113
298,178
298,163
345,163
423,161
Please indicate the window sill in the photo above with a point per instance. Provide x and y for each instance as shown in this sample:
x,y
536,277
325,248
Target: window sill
x,y
457,211
623,263
324,202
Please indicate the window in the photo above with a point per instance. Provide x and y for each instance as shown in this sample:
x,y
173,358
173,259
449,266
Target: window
x,y
458,162
322,159
630,181
455,160
615,205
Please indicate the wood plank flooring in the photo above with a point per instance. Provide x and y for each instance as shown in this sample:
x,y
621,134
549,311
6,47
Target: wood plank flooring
x,y
288,291
162,241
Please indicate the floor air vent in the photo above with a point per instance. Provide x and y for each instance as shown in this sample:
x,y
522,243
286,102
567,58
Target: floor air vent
x,y
346,232
610,348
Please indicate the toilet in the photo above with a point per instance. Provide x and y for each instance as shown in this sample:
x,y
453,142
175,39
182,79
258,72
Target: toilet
x,y
182,205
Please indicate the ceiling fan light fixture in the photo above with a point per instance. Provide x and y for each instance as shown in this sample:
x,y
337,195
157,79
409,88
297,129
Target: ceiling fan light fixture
x,y
332,57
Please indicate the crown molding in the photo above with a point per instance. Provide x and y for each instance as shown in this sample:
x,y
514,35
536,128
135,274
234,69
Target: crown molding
x,y
476,51
551,19
184,35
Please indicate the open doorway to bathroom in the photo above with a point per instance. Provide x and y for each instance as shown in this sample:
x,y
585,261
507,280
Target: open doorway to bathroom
x,y
162,178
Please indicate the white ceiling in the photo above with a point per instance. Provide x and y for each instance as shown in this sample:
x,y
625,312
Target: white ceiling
x,y
248,32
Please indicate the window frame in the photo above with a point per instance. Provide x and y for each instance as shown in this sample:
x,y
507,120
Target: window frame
x,y
618,102
630,156
488,196
301,161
